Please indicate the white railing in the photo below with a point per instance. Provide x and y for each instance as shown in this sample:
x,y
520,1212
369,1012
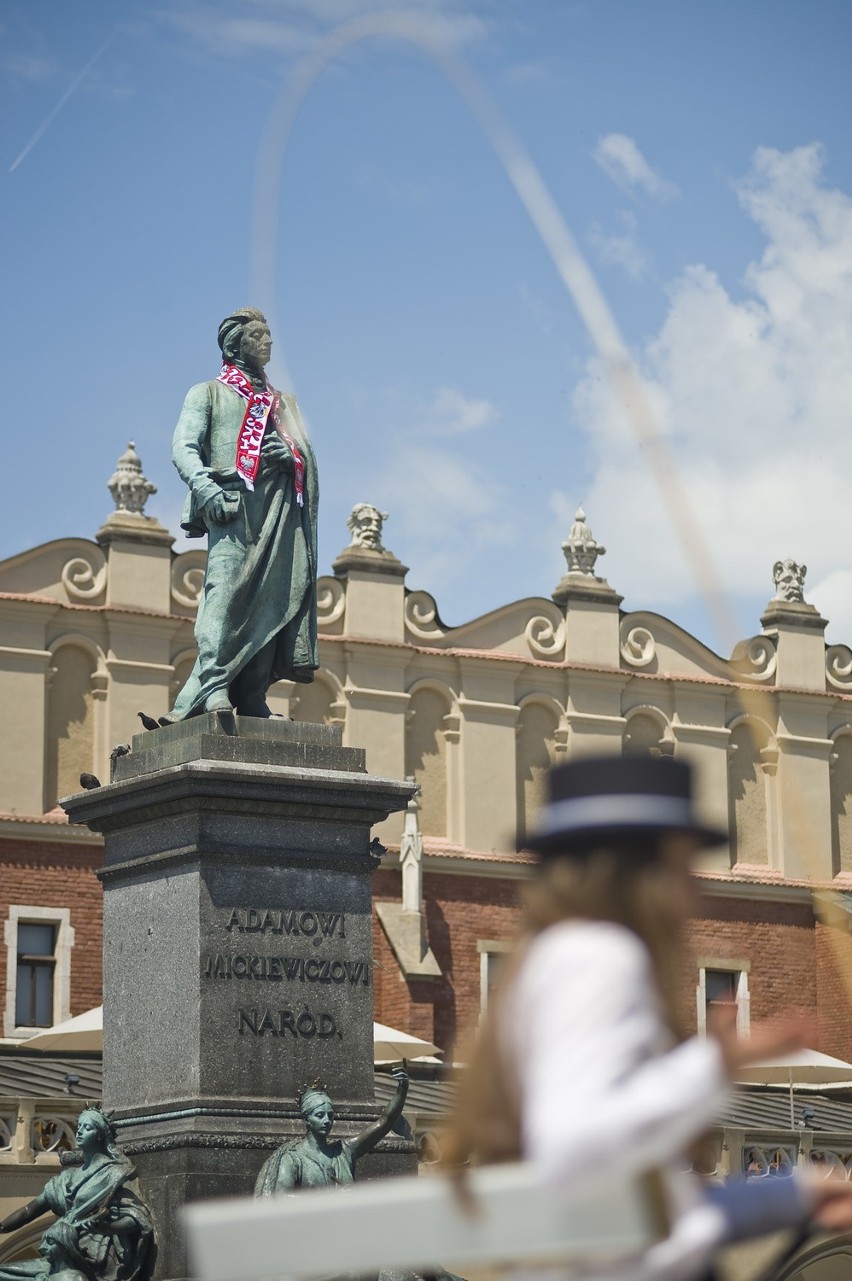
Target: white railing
x,y
36,1131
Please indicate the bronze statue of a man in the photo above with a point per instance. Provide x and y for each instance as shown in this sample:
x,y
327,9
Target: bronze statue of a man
x,y
242,449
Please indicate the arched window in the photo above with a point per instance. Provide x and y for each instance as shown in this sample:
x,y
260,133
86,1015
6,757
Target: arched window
x,y
535,753
70,747
841,804
747,781
644,736
426,757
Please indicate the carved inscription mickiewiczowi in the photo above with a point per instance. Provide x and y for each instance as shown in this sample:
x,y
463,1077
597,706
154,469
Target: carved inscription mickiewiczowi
x,y
283,968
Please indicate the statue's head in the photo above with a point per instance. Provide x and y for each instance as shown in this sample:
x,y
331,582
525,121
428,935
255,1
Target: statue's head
x,y
244,336
789,579
95,1131
317,1110
59,1245
365,525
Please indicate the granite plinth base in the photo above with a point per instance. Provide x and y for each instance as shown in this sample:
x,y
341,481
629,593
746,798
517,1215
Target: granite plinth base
x,y
237,950
186,1161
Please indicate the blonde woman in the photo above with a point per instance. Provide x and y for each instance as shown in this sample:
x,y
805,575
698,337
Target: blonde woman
x,y
583,1065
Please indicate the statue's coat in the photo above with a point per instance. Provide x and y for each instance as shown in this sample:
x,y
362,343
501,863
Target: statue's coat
x,y
260,582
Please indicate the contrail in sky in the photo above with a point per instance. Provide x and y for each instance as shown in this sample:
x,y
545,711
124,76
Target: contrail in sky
x,y
75,84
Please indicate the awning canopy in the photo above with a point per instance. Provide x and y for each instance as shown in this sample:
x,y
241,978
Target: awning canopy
x,y
86,1032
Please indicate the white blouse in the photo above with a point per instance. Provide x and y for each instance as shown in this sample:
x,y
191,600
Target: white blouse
x,y
603,1087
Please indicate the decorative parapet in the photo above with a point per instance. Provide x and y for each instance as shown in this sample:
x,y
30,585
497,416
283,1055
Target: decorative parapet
x,y
789,580
788,605
581,547
131,489
581,550
331,604
187,580
545,637
838,667
366,550
84,578
421,618
637,645
756,659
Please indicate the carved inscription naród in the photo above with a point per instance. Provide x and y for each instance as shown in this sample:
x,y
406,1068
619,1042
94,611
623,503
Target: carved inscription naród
x,y
286,1022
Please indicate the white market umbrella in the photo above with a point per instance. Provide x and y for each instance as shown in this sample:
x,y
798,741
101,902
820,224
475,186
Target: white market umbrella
x,y
801,1067
86,1032
389,1045
83,1032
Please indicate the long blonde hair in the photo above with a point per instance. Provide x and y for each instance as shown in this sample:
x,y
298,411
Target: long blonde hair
x,y
627,882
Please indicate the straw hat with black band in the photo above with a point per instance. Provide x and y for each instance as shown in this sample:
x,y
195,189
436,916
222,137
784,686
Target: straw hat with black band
x,y
598,797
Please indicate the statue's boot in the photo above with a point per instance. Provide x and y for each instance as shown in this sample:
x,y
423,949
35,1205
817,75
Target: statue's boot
x,y
217,702
247,691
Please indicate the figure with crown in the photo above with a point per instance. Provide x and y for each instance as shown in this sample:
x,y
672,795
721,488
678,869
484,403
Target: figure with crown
x,y
316,1161
102,1226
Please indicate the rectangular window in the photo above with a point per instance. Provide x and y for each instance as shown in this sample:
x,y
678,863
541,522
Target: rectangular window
x,y
39,942
34,978
723,982
491,955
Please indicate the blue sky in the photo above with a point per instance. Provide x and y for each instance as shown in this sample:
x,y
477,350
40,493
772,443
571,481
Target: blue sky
x,y
698,152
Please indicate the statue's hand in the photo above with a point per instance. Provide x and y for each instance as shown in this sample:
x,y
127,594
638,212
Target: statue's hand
x,y
222,508
400,1075
277,454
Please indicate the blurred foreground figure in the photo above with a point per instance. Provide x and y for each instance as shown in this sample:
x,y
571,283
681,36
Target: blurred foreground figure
x,y
582,1065
242,449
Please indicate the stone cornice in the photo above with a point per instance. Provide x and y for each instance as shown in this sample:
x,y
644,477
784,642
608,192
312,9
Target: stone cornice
x,y
45,828
758,884
101,610
696,679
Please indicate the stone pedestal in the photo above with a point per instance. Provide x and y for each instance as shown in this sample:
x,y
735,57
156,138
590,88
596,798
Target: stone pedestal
x,y
237,950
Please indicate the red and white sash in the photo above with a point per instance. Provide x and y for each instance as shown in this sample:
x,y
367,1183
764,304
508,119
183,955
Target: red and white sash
x,y
260,405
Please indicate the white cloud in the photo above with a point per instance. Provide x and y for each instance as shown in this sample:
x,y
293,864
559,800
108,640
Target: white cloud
x,y
753,394
833,598
620,158
621,248
447,510
451,412
21,66
292,27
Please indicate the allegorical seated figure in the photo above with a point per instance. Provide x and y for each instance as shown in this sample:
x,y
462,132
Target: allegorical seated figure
x,y
316,1161
103,1230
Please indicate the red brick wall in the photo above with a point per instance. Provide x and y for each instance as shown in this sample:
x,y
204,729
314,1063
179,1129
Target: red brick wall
x,y
460,910
45,874
792,962
834,994
778,939
791,967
